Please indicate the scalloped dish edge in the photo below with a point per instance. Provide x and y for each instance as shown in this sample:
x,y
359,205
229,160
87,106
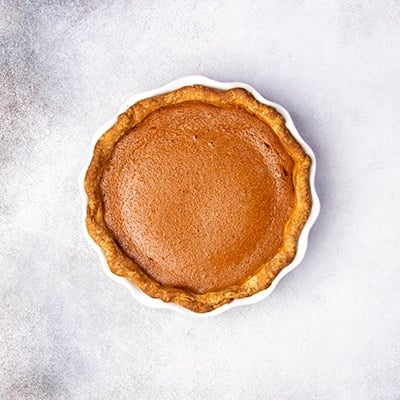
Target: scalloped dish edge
x,y
303,238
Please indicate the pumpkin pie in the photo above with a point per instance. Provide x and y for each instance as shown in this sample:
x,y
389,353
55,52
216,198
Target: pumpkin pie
x,y
198,196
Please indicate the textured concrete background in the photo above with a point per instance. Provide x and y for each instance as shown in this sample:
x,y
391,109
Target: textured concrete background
x,y
331,330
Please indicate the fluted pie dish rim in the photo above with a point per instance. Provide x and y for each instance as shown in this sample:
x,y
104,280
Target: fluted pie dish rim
x,y
126,271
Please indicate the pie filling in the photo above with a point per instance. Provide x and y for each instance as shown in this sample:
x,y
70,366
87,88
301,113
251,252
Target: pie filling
x,y
198,195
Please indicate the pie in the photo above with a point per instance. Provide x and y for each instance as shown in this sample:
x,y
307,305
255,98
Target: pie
x,y
198,196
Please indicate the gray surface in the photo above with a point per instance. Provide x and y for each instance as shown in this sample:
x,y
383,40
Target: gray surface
x,y
331,330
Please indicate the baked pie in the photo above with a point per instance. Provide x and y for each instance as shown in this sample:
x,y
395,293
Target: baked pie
x,y
198,196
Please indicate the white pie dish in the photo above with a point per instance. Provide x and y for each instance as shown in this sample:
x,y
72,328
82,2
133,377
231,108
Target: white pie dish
x,y
303,238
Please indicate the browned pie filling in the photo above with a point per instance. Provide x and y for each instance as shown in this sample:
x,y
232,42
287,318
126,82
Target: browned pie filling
x,y
199,195
197,198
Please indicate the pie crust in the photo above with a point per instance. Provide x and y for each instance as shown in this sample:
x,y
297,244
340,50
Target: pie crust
x,y
123,265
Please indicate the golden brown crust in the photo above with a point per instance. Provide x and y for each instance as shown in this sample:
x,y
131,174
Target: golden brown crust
x,y
122,265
